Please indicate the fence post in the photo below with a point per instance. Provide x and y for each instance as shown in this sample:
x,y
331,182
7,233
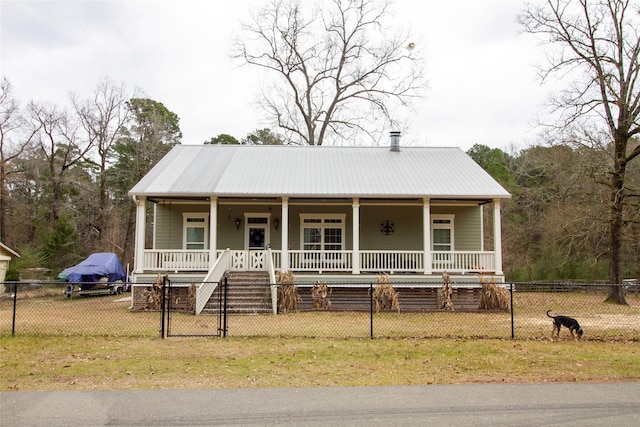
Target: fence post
x,y
371,308
224,315
15,300
513,335
220,291
162,306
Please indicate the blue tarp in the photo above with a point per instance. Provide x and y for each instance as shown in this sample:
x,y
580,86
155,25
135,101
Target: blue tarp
x,y
94,268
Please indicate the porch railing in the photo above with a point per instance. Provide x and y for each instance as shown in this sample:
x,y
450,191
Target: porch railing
x,y
321,261
392,261
175,260
459,262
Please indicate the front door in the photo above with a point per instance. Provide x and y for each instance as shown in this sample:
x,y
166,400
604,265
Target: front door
x,y
257,240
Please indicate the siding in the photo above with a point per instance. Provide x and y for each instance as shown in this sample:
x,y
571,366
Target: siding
x,y
408,222
408,234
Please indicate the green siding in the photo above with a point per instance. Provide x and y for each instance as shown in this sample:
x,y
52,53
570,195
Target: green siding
x,y
408,233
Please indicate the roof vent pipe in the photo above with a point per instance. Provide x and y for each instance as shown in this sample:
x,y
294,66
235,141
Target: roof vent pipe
x,y
395,140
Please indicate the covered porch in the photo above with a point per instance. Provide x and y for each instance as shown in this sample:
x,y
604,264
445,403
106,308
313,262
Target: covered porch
x,y
344,246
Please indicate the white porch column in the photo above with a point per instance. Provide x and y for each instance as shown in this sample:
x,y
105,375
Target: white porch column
x,y
141,226
356,236
497,236
284,232
426,226
213,230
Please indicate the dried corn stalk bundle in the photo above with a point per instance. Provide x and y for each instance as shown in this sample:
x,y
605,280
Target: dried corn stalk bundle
x,y
288,297
447,292
153,295
191,299
493,297
385,296
320,294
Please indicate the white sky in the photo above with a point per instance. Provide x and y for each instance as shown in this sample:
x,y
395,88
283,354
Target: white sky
x,y
483,86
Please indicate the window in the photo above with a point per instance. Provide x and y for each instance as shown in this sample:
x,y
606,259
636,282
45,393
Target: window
x,y
196,230
322,232
442,232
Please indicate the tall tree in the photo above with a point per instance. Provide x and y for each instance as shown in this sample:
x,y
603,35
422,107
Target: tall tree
x,y
103,118
13,142
338,67
223,139
597,44
263,137
57,138
152,131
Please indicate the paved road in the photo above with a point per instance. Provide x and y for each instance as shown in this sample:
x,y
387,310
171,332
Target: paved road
x,y
609,404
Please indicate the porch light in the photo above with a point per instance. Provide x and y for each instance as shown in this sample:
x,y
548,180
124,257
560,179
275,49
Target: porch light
x,y
276,223
237,223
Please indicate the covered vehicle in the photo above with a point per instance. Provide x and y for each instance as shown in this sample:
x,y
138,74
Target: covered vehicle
x,y
100,271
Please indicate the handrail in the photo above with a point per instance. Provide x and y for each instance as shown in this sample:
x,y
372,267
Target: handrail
x,y
211,280
272,279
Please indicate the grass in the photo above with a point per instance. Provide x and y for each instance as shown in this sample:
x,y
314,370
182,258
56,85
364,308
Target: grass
x,y
99,344
111,363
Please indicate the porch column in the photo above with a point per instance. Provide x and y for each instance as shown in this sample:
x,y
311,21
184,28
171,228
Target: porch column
x,y
426,232
213,230
497,236
284,227
356,236
141,226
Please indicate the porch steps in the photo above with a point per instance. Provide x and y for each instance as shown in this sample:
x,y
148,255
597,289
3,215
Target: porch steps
x,y
247,293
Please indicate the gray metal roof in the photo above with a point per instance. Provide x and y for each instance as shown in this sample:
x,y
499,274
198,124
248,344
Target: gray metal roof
x,y
308,171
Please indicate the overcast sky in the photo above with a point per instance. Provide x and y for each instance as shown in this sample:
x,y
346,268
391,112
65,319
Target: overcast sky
x,y
483,86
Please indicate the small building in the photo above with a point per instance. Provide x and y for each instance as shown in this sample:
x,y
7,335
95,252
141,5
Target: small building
x,y
323,213
6,254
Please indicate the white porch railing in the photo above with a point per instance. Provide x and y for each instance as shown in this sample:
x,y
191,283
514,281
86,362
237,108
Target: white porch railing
x,y
320,260
458,261
338,261
175,260
392,261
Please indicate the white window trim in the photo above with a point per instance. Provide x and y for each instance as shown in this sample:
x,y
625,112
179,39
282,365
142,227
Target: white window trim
x,y
323,225
450,226
185,224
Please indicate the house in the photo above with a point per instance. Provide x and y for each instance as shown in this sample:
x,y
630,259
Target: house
x,y
323,213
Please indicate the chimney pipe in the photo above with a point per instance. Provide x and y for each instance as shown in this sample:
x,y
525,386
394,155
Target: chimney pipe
x,y
395,140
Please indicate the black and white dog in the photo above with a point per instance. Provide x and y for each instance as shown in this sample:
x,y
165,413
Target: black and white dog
x,y
568,322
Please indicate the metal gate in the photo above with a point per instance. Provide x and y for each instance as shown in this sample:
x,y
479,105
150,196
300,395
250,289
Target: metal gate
x,y
178,308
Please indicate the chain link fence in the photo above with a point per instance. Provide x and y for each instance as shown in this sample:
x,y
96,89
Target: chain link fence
x,y
344,310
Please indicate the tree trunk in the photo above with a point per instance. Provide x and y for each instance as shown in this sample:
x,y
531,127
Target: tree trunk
x,y
616,291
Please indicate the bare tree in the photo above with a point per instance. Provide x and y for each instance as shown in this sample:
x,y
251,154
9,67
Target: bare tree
x,y
598,44
12,144
339,68
103,118
56,137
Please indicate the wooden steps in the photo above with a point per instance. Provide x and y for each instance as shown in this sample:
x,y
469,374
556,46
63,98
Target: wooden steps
x,y
247,293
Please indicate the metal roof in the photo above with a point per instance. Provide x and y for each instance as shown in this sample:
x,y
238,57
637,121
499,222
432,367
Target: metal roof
x,y
309,171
